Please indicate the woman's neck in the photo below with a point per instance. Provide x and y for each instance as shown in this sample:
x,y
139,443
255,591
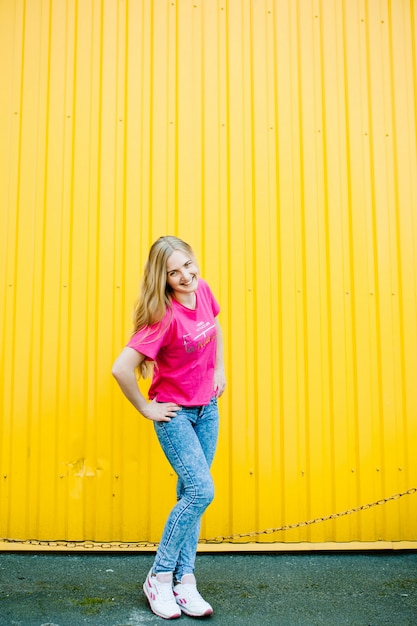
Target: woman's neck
x,y
187,300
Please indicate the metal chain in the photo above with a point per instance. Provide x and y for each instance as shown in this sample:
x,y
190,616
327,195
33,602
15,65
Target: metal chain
x,y
90,545
316,520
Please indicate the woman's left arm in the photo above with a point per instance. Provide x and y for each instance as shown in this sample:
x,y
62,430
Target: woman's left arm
x,y
219,376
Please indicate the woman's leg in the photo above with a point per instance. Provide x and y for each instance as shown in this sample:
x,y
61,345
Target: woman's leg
x,y
206,429
180,441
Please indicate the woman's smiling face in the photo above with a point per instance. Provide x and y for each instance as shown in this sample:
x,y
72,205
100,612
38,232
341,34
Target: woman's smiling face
x,y
182,273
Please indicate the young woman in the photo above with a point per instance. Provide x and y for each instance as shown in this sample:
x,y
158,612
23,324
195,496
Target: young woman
x,y
177,335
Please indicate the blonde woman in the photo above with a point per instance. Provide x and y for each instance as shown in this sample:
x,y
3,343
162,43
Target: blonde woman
x,y
178,337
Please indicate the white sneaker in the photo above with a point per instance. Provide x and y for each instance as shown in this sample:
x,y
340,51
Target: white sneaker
x,y
189,599
158,590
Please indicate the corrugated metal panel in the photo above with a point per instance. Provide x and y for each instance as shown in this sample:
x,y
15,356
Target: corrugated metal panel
x,y
279,138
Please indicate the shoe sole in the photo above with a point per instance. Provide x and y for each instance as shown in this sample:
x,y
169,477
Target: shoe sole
x,y
206,614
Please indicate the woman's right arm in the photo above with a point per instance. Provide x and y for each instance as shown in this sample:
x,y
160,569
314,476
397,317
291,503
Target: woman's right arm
x,y
124,371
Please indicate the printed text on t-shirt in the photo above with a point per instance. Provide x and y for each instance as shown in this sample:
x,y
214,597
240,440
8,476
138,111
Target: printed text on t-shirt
x,y
201,339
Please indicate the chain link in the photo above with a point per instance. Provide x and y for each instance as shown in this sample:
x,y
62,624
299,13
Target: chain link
x,y
91,545
316,520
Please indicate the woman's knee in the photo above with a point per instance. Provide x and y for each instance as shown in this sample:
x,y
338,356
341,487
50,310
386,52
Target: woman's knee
x,y
206,493
201,494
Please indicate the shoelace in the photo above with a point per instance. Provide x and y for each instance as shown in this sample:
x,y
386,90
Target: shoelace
x,y
165,591
193,591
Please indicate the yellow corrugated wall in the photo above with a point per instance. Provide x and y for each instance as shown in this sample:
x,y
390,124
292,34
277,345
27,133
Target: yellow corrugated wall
x,y
279,138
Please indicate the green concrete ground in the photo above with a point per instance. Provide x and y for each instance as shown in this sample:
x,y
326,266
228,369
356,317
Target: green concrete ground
x,y
269,589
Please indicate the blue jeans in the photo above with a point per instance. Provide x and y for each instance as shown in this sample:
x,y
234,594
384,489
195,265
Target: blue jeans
x,y
189,441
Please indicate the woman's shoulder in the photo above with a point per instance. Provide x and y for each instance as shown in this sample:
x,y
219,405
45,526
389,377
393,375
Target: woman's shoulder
x,y
203,285
207,295
154,329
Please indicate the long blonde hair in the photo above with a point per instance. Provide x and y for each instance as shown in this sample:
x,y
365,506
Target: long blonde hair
x,y
155,293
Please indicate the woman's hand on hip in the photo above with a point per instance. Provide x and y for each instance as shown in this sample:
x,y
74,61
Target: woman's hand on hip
x,y
160,411
219,382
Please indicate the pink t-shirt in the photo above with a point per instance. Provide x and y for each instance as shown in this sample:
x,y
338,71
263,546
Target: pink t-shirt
x,y
183,347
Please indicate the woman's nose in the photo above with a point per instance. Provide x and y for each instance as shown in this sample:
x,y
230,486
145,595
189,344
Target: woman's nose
x,y
185,274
